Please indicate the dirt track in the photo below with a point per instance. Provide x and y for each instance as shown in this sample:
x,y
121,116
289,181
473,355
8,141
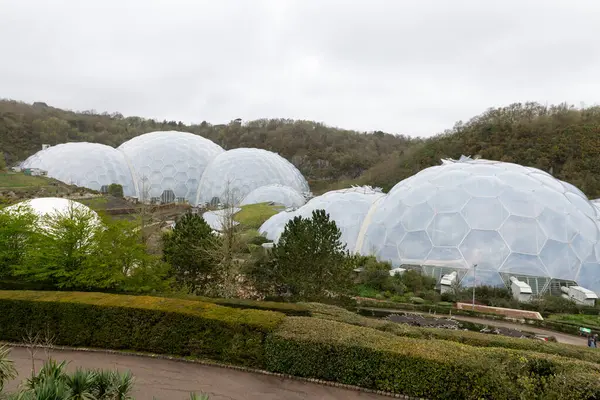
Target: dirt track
x,y
174,380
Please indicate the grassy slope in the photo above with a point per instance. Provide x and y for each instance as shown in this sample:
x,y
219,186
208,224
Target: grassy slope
x,y
14,180
254,215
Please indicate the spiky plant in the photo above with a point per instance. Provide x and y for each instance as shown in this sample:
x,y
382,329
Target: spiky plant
x,y
7,367
81,385
201,396
122,385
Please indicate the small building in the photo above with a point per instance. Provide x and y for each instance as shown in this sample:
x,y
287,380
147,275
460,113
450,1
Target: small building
x,y
397,271
35,172
521,291
447,281
579,295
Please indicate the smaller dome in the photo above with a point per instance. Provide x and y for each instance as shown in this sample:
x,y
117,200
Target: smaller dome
x,y
278,194
215,219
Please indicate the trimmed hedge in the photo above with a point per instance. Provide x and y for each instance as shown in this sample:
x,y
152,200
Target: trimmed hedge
x,y
285,308
142,323
334,351
466,337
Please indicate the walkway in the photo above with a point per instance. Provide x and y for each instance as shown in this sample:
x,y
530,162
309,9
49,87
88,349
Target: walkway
x,y
173,380
560,337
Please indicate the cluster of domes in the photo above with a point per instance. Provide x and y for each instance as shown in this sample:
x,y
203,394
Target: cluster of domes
x,y
175,166
503,218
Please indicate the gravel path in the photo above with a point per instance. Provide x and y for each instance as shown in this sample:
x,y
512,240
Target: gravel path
x,y
174,380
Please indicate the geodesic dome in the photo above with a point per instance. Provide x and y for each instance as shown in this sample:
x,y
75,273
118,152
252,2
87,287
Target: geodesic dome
x,y
503,217
347,207
235,173
278,194
169,164
89,165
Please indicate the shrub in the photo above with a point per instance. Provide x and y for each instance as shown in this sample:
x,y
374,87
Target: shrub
x,y
434,369
142,323
417,300
285,308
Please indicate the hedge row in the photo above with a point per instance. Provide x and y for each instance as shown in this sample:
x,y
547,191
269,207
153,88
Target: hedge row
x,y
142,323
335,351
285,308
465,337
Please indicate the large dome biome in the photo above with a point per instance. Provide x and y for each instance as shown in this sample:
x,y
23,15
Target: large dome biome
x,y
168,165
89,165
347,207
232,175
502,217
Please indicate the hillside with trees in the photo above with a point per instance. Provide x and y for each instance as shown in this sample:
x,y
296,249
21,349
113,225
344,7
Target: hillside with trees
x,y
319,151
562,140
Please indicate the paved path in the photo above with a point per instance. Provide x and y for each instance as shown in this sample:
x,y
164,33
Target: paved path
x,y
560,337
174,380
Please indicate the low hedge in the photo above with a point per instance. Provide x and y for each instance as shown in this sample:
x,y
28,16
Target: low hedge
x,y
142,323
334,351
470,338
285,308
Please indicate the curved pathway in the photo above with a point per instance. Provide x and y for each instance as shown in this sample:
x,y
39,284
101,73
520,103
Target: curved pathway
x,y
560,337
174,380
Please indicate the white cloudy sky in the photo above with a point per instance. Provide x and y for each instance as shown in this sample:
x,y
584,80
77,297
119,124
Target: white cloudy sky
x,y
402,66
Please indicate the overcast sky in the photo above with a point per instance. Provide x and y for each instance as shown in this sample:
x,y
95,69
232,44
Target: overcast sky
x,y
411,67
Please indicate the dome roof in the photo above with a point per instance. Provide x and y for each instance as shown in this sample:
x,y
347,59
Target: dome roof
x,y
504,217
235,173
51,206
169,164
347,207
276,193
89,165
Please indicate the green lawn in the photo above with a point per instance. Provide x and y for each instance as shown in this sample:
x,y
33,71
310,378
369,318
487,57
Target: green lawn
x,y
9,180
577,319
253,216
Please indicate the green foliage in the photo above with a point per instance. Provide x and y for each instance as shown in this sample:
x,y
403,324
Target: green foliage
x,y
115,190
17,238
143,323
433,369
189,249
308,261
2,162
285,308
252,216
7,367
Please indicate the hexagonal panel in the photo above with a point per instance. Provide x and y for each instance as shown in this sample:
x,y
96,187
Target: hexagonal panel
x,y
519,181
524,264
419,194
519,203
582,247
449,179
482,186
448,200
484,213
414,247
548,180
554,224
169,170
446,257
560,260
417,217
394,234
482,278
589,276
448,229
523,235
487,249
388,253
586,226
551,199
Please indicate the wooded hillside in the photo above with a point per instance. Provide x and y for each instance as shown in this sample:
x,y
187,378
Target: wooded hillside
x,y
320,151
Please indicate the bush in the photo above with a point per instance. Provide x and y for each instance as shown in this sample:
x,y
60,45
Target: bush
x,y
434,369
142,323
285,308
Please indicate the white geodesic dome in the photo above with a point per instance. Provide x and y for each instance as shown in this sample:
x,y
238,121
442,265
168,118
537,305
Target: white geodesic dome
x,y
89,165
502,217
235,173
169,164
215,219
278,194
347,207
52,206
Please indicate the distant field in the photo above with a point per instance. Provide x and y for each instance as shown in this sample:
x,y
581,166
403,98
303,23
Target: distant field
x,y
254,215
577,319
9,180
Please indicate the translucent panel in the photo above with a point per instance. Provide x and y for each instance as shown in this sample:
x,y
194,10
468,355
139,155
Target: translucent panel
x,y
577,222
347,207
450,179
484,213
548,181
482,278
388,253
414,247
582,204
519,203
523,235
88,165
419,194
524,264
448,229
429,173
560,260
278,194
446,257
582,247
156,156
552,199
484,248
483,186
573,189
418,217
232,175
216,219
519,181
589,276
554,225
449,200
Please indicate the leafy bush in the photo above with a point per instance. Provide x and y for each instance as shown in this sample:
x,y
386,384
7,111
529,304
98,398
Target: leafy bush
x,y
143,323
354,355
282,307
417,300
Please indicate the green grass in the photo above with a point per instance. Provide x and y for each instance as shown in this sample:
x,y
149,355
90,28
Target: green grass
x,y
577,319
253,216
10,180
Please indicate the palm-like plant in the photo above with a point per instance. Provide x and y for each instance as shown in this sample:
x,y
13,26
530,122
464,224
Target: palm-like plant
x,y
81,384
7,367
